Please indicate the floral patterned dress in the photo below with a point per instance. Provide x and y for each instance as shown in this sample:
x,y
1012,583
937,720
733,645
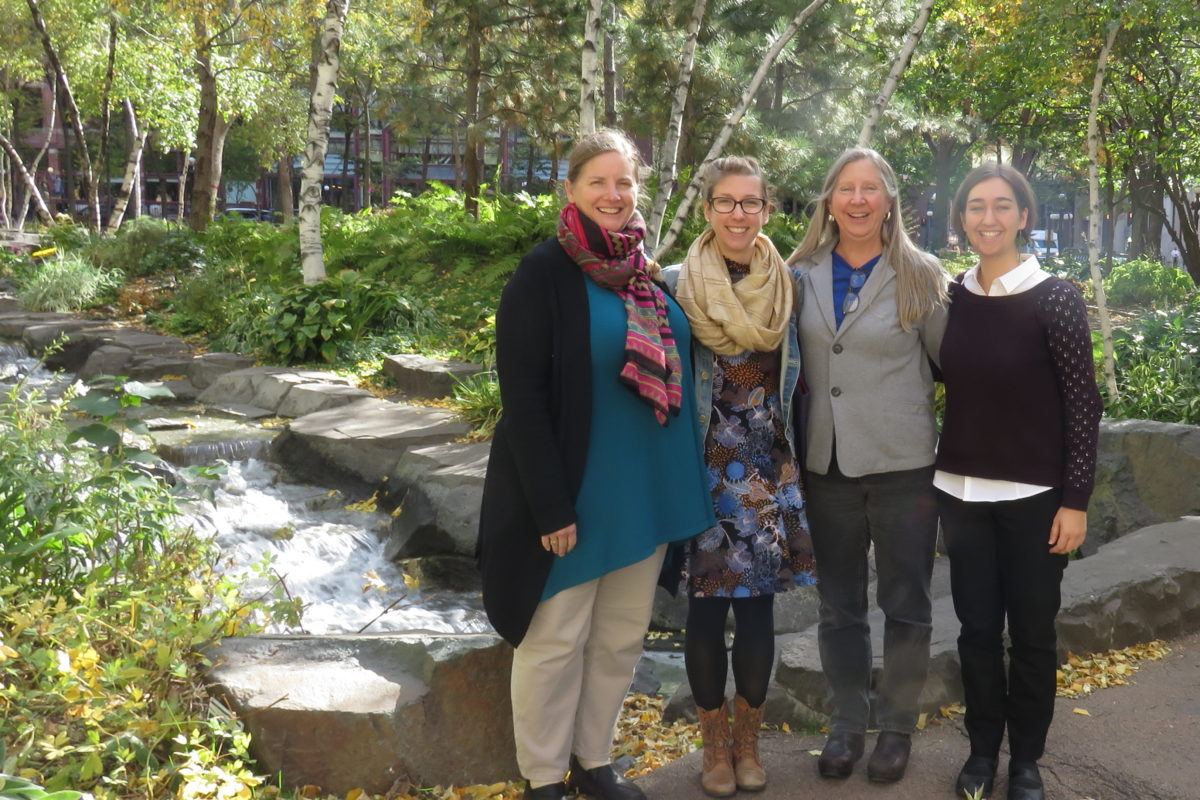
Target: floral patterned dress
x,y
761,543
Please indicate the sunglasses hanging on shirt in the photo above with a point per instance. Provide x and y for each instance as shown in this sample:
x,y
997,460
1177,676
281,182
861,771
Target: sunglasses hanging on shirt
x,y
850,302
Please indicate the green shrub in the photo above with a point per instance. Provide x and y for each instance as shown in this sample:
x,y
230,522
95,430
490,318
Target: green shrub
x,y
146,246
477,401
67,235
1147,282
1158,366
310,322
14,266
202,303
66,283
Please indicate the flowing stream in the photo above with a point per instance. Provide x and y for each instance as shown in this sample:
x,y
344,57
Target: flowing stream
x,y
273,532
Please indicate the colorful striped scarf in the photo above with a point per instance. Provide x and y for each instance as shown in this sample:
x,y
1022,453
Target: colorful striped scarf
x,y
616,261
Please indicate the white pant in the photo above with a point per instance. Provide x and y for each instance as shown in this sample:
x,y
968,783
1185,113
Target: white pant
x,y
574,666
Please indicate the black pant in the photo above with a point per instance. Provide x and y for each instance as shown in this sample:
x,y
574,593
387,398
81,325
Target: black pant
x,y
1001,565
753,648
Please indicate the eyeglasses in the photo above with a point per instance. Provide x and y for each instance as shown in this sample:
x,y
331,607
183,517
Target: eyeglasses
x,y
850,302
725,205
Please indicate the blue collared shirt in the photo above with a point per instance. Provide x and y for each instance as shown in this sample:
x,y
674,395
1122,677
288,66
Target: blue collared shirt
x,y
841,281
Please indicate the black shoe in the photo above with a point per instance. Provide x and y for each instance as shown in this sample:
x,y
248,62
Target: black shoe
x,y
839,754
602,783
1024,781
890,757
551,791
978,773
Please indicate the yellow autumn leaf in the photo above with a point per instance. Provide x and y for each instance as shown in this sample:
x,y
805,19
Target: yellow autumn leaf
x,y
354,794
1083,712
922,720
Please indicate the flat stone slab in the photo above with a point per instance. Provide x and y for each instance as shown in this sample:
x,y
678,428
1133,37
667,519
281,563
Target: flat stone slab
x,y
440,489
265,387
309,398
345,712
418,376
243,411
364,439
1141,587
14,323
208,367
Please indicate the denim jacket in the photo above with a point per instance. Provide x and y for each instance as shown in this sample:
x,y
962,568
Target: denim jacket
x,y
702,364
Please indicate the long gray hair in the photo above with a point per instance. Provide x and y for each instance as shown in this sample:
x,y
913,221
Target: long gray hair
x,y
920,282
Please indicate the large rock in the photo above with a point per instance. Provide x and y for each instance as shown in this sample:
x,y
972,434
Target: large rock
x,y
14,323
364,439
1145,474
418,376
208,367
106,360
264,387
1142,587
345,712
76,344
439,489
309,398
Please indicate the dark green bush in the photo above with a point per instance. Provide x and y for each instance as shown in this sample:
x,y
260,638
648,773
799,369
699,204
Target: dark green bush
x,y
1158,366
1147,282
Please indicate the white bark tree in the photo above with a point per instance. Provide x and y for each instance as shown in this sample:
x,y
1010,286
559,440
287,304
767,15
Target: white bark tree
x,y
590,68
326,59
893,79
668,162
733,119
18,166
133,165
1094,217
23,211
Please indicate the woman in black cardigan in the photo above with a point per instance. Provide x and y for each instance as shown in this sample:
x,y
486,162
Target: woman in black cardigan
x,y
1015,467
594,469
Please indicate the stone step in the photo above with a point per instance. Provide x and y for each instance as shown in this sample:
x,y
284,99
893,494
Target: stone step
x,y
364,439
421,377
347,712
273,388
438,490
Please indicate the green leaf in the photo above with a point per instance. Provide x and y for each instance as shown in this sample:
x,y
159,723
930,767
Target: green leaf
x,y
97,404
97,433
329,351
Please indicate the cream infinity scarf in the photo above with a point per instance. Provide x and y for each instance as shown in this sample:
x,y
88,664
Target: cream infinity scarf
x,y
730,318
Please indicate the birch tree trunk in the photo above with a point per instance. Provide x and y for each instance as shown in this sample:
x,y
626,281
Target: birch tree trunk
x,y
106,111
473,168
731,122
610,68
590,68
1093,139
137,143
70,114
181,204
668,166
18,166
5,193
326,57
893,78
23,211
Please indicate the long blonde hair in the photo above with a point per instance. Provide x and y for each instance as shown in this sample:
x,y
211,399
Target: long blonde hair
x,y
920,282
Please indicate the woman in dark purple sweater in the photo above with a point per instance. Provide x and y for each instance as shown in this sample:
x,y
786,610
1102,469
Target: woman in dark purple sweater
x,y
1015,467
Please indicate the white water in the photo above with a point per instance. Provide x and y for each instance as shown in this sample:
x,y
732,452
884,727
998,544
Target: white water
x,y
17,365
331,558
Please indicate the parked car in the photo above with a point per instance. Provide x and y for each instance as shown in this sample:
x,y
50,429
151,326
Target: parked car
x,y
1043,244
248,213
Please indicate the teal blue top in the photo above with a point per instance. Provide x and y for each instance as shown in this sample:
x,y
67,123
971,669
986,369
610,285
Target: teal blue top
x,y
643,484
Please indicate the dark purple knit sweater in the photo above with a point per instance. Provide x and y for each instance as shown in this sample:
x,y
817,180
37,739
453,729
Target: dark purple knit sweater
x,y
1021,397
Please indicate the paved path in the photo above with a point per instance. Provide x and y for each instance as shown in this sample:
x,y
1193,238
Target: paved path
x,y
1141,742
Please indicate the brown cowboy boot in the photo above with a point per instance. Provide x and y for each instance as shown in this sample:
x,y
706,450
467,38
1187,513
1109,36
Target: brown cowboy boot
x,y
716,777
748,768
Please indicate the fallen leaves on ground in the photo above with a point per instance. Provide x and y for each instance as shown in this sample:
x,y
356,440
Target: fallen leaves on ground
x,y
642,735
1082,675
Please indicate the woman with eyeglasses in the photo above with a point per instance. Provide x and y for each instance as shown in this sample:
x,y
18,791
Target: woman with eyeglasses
x,y
872,317
738,295
1015,469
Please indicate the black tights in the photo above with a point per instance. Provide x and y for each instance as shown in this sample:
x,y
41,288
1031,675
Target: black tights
x,y
753,648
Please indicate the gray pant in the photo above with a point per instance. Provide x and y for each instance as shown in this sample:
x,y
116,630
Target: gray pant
x,y
897,511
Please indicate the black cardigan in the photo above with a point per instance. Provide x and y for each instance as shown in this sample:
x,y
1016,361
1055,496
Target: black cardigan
x,y
543,359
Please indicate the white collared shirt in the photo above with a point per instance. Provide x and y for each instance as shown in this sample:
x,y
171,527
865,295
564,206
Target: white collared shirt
x,y
1024,277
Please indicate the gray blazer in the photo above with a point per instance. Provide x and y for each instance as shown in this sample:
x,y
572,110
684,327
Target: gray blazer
x,y
870,383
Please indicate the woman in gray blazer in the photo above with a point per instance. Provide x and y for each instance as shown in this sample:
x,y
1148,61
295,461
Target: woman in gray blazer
x,y
872,318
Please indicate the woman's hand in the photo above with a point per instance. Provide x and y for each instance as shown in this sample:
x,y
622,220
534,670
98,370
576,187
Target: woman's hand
x,y
1068,531
561,541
